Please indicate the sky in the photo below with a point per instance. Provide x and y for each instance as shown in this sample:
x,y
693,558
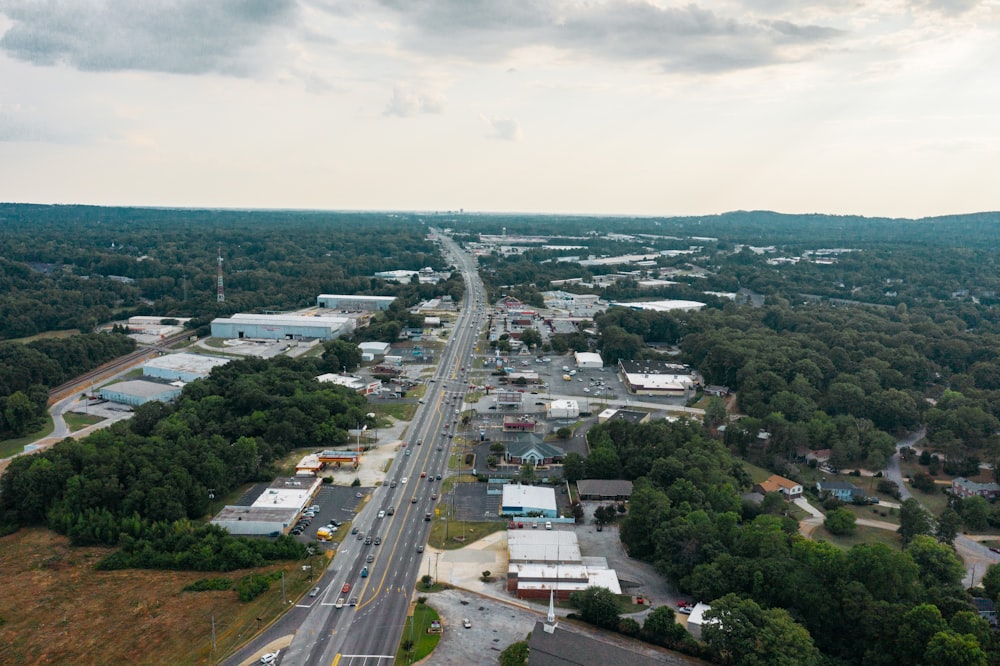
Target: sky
x,y
600,107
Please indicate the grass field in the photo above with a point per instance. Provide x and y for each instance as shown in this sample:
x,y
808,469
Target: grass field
x,y
10,447
77,421
448,534
58,610
398,410
861,535
47,334
416,626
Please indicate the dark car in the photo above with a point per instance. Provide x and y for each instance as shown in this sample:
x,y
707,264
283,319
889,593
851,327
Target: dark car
x,y
378,540
368,540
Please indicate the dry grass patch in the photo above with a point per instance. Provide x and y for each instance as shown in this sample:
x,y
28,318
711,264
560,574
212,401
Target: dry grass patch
x,y
58,610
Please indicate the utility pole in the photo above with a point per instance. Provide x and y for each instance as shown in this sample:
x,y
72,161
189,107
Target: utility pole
x,y
284,599
214,647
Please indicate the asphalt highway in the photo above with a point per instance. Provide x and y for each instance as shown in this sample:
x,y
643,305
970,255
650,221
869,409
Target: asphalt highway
x,y
369,633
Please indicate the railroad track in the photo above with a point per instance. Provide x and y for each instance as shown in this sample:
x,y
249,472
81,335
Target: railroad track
x,y
57,393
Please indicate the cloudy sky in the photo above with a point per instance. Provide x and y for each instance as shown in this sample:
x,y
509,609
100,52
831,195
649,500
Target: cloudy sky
x,y
649,107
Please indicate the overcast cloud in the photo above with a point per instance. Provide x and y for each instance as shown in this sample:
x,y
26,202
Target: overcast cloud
x,y
879,107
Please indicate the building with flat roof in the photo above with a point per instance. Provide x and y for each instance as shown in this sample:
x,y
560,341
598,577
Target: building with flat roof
x,y
377,349
604,489
354,303
629,416
656,378
274,510
357,384
184,366
281,327
563,409
668,305
525,546
521,500
589,360
137,392
535,581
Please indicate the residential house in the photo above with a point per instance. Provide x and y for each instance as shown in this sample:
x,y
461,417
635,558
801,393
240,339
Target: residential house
x,y
962,487
845,492
780,484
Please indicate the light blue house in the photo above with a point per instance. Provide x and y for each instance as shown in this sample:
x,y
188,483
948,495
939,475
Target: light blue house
x,y
845,492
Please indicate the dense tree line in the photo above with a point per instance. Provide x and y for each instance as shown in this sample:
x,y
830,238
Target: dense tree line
x,y
868,605
138,483
55,261
27,371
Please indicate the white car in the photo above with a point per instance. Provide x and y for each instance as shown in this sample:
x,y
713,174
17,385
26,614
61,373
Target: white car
x,y
381,514
269,658
467,623
403,480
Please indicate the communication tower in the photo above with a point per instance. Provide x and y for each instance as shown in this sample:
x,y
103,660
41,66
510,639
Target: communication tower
x,y
220,295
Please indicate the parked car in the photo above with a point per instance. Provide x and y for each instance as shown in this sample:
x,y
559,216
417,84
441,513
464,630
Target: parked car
x,y
269,658
467,623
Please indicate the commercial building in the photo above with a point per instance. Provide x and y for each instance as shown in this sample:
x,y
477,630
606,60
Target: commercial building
x,y
696,620
662,306
656,378
520,500
536,581
564,409
376,349
354,303
357,384
274,510
281,327
509,399
137,392
543,547
588,360
184,366
604,489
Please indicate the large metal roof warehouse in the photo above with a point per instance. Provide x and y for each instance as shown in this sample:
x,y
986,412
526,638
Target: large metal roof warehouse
x,y
352,303
184,366
281,327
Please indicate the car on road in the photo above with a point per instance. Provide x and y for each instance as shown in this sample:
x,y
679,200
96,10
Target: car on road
x,y
407,452
438,477
392,485
378,540
420,548
314,592
368,540
269,658
364,572
346,588
467,623
354,530
340,603
413,500
360,536
403,480
440,448
391,510
354,601
434,496
423,475
381,514
370,558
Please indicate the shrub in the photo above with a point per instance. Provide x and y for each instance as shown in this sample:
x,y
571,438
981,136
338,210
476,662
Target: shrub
x,y
250,587
207,584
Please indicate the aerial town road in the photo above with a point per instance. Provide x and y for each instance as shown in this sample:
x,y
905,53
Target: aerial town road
x,y
370,632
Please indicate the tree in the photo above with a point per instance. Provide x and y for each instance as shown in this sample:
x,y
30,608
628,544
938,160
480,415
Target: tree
x,y
19,414
938,564
715,412
527,473
948,647
918,626
486,576
747,635
913,520
598,606
948,524
515,654
564,433
840,521
573,467
661,627
341,356
975,511
426,580
531,337
991,581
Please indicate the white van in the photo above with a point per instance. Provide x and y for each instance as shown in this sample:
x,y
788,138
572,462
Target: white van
x,y
548,524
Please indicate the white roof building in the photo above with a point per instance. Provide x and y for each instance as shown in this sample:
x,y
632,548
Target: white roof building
x,y
696,620
543,546
184,366
566,578
662,306
523,500
589,360
362,386
564,409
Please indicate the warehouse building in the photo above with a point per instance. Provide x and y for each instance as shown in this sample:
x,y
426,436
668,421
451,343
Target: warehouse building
x,y
543,547
281,327
346,303
137,392
589,361
376,349
656,378
357,384
184,366
519,500
274,510
535,581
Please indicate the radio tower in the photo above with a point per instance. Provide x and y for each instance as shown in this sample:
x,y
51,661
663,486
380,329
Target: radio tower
x,y
220,295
